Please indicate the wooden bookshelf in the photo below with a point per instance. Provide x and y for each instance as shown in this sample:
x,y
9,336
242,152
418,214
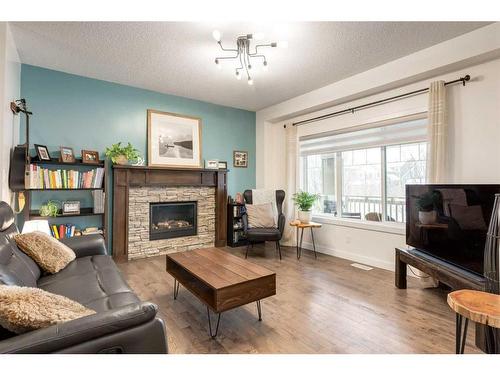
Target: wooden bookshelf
x,y
235,236
32,214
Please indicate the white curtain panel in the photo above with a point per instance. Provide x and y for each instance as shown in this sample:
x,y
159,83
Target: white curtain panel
x,y
291,158
437,132
437,151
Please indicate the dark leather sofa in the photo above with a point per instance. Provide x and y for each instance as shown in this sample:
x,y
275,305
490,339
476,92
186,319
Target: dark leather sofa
x,y
123,324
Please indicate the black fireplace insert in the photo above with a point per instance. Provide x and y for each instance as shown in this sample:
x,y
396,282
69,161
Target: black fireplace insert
x,y
172,220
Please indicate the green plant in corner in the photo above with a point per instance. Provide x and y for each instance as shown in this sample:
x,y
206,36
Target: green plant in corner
x,y
51,208
122,155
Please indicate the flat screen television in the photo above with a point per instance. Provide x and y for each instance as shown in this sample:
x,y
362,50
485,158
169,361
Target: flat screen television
x,y
457,233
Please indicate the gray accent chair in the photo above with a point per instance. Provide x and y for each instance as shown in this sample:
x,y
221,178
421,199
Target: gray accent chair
x,y
122,324
265,234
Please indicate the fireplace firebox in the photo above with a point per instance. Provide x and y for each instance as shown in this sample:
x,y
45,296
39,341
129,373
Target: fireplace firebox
x,y
172,219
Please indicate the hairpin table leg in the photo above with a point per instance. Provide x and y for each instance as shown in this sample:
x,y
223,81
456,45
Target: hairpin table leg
x,y
176,288
213,335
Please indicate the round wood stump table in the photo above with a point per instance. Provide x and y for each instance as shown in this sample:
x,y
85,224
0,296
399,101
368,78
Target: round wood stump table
x,y
480,307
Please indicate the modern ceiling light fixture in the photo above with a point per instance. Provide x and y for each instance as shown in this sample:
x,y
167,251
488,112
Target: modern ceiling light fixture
x,y
243,54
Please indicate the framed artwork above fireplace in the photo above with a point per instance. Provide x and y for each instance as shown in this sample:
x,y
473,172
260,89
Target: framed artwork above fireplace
x,y
173,140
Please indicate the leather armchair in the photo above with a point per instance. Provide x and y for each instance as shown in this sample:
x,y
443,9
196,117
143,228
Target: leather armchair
x,y
122,323
265,234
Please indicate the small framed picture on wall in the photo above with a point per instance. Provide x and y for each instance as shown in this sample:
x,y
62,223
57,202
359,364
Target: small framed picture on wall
x,y
240,159
42,152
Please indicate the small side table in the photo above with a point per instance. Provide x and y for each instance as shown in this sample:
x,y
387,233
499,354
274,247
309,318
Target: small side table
x,y
301,226
480,307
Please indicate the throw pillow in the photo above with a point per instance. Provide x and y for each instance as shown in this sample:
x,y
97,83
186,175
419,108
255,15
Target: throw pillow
x,y
50,254
260,215
24,309
468,217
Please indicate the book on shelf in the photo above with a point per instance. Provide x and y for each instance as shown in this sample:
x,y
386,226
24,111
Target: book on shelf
x,y
38,177
98,197
69,230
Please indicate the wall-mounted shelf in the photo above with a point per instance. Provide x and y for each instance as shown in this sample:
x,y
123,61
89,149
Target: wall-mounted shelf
x,y
78,162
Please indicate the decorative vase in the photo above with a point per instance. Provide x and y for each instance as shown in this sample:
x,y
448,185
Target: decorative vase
x,y
492,272
427,217
121,160
305,217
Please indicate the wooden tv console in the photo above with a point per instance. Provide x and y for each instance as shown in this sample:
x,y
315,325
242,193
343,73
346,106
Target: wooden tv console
x,y
455,277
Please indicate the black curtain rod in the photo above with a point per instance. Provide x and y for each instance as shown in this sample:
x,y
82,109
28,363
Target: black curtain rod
x,y
377,102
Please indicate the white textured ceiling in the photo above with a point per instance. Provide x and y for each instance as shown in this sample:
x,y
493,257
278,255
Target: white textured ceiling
x,y
178,57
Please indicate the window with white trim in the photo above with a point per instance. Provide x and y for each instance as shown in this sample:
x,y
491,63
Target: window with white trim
x,y
362,173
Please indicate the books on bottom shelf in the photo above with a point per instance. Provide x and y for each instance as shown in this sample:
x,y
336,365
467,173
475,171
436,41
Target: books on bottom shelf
x,y
98,197
69,230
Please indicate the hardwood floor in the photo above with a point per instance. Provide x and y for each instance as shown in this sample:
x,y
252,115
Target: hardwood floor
x,y
321,306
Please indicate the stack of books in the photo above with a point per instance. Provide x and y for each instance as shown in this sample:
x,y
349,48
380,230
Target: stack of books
x,y
62,231
43,178
92,230
98,196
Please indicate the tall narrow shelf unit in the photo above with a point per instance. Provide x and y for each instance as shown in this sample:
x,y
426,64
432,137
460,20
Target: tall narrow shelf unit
x,y
235,233
33,214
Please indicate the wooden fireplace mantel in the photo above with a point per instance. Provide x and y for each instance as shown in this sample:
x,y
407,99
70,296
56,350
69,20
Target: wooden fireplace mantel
x,y
127,176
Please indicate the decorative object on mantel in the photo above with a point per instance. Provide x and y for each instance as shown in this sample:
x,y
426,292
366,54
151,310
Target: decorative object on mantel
x,y
304,201
211,164
173,140
122,155
67,155
240,159
222,164
244,55
42,152
90,157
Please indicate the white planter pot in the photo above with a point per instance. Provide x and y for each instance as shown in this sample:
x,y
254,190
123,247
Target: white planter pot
x,y
427,217
305,216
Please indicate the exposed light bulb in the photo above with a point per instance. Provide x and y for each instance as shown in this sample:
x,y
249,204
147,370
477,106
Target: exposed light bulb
x,y
282,44
258,35
265,67
250,81
217,35
238,76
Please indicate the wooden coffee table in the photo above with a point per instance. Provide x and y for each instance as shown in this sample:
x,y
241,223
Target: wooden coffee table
x,y
220,280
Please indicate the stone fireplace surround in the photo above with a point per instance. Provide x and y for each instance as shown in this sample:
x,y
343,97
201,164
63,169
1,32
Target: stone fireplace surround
x,y
133,189
139,244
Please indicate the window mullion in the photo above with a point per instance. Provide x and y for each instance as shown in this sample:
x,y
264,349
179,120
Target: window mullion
x,y
384,183
338,182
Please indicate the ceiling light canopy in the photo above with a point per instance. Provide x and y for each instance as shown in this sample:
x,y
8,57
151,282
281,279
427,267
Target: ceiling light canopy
x,y
243,55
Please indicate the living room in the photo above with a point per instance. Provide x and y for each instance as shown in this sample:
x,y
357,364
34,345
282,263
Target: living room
x,y
196,186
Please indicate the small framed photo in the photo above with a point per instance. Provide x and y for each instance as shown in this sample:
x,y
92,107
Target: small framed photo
x,y
240,159
42,152
71,208
90,157
211,164
67,154
223,165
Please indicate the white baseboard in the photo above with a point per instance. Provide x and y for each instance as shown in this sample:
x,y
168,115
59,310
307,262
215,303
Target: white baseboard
x,y
374,262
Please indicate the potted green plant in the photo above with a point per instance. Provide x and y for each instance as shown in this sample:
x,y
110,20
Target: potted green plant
x,y
122,155
426,204
51,208
304,201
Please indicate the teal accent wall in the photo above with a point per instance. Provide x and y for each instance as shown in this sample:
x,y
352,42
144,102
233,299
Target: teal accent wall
x,y
85,113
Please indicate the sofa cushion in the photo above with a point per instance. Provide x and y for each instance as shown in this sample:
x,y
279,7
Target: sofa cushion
x,y
260,215
93,281
50,254
24,309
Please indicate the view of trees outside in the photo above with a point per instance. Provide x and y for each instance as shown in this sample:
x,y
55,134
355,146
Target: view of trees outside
x,y
362,180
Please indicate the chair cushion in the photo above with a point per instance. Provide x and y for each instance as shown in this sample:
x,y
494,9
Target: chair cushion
x,y
263,234
93,281
50,254
24,309
260,215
